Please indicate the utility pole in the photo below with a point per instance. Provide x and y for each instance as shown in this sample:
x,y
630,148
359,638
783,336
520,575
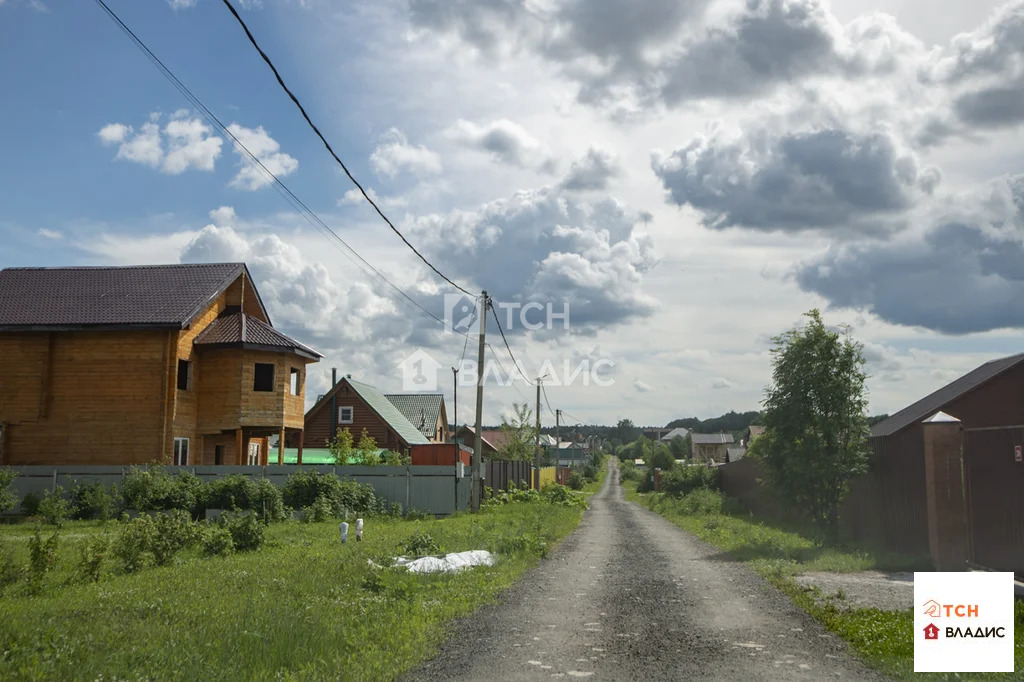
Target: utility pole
x,y
536,449
474,493
558,440
455,407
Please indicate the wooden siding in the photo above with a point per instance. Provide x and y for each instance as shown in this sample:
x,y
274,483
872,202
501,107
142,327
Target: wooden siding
x,y
319,426
105,402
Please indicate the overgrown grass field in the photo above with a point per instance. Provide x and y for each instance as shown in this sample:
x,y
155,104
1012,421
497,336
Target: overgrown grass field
x,y
303,607
884,639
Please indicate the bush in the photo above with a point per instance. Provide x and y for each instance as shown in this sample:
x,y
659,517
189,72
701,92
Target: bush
x,y
10,572
91,501
153,489
93,554
246,531
321,510
7,497
559,494
303,488
576,481
42,559
54,508
133,543
421,544
173,532
30,504
706,502
629,472
268,502
217,541
230,492
685,479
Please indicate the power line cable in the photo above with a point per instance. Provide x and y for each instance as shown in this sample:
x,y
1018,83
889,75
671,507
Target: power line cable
x,y
330,149
544,391
282,189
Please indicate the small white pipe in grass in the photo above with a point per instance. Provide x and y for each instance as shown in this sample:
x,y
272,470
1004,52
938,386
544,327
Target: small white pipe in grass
x,y
359,530
343,527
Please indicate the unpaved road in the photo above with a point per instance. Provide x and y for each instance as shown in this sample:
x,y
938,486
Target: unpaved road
x,y
629,596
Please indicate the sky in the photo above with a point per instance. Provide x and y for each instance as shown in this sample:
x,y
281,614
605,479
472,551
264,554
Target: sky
x,y
664,185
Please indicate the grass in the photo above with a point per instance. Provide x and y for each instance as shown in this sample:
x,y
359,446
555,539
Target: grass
x,y
777,552
305,607
602,473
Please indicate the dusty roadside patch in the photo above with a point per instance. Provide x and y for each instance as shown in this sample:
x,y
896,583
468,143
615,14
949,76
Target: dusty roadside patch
x,y
887,591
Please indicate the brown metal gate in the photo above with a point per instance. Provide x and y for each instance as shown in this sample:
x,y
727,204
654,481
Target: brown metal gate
x,y
994,488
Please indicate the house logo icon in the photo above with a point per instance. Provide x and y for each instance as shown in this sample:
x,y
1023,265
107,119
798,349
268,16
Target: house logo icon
x,y
460,313
932,608
419,372
931,631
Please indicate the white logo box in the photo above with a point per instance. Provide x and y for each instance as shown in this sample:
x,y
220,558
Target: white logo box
x,y
970,616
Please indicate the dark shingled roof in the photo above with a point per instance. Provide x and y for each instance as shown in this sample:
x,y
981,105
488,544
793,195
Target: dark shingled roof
x,y
155,296
421,409
934,402
239,329
711,438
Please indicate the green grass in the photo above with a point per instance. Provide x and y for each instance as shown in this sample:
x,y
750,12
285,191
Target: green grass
x,y
884,639
306,607
602,473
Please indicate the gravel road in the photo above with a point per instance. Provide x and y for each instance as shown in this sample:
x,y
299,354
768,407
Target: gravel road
x,y
629,596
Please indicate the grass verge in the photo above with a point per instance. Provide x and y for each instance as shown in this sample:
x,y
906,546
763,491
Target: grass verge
x,y
306,607
884,639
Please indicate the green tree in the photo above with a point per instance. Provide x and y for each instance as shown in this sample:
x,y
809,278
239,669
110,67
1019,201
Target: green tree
x,y
680,447
624,432
341,446
816,430
520,433
366,450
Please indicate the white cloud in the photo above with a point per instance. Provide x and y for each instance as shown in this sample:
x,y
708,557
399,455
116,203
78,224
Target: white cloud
x,y
181,4
224,215
394,154
265,148
185,142
49,234
641,387
505,141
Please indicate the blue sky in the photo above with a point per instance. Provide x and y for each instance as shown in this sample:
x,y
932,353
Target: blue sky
x,y
690,179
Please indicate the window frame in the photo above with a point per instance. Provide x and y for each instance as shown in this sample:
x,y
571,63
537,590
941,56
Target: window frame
x,y
253,451
180,454
188,374
294,381
255,377
351,414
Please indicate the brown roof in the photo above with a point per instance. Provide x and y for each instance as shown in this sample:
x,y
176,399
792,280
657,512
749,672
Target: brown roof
x,y
148,296
495,437
241,330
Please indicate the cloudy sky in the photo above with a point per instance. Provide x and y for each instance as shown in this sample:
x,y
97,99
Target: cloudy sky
x,y
688,176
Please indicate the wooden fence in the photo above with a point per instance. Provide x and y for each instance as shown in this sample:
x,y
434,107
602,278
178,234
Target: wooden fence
x,y
498,473
436,490
885,508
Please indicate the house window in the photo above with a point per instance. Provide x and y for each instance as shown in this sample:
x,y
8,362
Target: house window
x,y
296,381
263,377
344,415
218,454
180,452
184,375
254,454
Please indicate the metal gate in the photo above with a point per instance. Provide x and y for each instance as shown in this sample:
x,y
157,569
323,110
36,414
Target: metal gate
x,y
994,489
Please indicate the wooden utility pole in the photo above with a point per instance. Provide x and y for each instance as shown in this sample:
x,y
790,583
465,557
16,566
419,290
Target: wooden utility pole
x,y
558,440
474,493
455,406
536,449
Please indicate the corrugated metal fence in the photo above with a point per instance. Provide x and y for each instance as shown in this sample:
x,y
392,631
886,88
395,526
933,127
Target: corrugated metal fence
x,y
431,489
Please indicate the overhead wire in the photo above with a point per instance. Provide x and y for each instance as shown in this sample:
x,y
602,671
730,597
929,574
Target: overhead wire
x,y
305,211
544,391
302,110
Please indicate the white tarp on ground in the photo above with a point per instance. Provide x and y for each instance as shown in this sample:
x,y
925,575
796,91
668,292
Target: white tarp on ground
x,y
449,563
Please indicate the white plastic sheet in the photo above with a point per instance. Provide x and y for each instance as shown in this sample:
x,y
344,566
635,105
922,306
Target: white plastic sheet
x,y
449,563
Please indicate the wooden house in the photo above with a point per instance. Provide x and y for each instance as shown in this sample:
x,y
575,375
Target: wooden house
x,y
425,411
356,406
129,365
710,447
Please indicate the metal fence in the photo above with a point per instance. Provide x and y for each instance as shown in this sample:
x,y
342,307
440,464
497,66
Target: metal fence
x,y
439,490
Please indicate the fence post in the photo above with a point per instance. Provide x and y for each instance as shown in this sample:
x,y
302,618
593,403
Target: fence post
x,y
55,481
947,540
408,483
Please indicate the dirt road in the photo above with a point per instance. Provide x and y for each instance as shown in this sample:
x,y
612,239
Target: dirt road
x,y
629,596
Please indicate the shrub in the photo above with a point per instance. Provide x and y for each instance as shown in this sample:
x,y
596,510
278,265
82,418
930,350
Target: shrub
x,y
153,489
321,510
217,541
559,494
30,504
134,541
685,479
246,531
230,492
54,508
42,559
268,503
10,572
173,532
304,487
7,497
704,502
395,459
93,554
421,544
576,481
629,472
91,501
